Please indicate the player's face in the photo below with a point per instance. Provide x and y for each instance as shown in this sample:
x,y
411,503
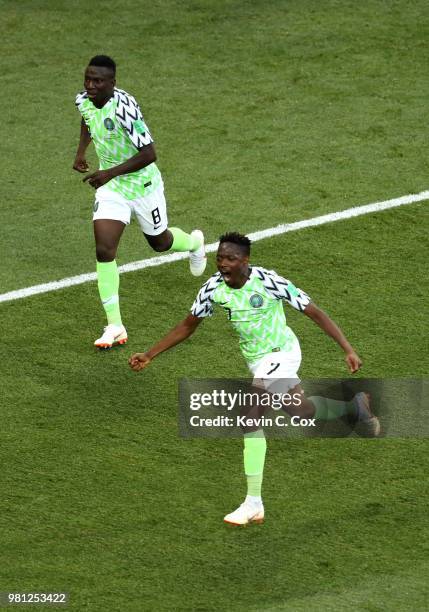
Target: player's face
x,y
232,264
99,84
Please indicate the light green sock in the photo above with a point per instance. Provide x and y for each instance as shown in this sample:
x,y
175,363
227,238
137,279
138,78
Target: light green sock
x,y
255,447
327,409
108,288
183,241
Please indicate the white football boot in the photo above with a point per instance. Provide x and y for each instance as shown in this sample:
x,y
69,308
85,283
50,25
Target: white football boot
x,y
112,335
245,514
198,259
368,425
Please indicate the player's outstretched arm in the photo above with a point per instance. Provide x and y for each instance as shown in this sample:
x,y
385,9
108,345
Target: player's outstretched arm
x,y
178,334
80,164
143,158
331,329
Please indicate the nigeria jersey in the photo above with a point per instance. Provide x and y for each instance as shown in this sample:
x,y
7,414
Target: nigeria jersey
x,y
255,311
118,131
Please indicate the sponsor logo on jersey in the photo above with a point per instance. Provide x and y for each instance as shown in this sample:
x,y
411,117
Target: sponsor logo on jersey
x,y
95,206
108,124
256,300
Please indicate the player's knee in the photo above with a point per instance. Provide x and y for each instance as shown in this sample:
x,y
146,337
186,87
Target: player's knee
x,y
305,408
160,247
105,253
159,244
300,407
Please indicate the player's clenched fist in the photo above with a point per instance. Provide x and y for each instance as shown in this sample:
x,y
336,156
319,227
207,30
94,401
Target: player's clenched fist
x,y
138,361
353,361
99,178
80,164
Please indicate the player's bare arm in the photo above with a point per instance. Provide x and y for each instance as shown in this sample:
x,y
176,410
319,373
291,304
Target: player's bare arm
x,y
331,329
145,157
178,334
80,164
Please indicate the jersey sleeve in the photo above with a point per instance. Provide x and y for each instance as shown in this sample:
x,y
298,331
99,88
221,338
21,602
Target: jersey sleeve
x,y
203,304
81,97
131,119
283,289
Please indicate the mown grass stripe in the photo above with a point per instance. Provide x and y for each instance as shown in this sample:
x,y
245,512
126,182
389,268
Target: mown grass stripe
x,y
151,262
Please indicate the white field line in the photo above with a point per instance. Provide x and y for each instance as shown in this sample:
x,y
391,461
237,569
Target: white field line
x,y
356,211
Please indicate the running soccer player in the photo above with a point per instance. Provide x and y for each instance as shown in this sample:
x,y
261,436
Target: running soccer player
x,y
128,182
251,297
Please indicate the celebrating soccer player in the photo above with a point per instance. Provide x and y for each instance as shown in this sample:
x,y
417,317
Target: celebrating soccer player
x,y
251,297
127,182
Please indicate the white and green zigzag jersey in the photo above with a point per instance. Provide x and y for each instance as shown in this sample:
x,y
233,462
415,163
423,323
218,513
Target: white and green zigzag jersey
x,y
118,131
255,311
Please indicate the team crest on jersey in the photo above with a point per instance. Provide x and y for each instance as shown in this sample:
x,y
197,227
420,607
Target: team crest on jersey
x,y
256,300
108,124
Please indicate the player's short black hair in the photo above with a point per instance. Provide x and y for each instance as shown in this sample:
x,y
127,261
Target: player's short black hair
x,y
104,61
239,239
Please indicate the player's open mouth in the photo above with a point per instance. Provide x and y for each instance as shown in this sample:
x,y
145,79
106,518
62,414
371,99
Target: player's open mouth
x,y
226,275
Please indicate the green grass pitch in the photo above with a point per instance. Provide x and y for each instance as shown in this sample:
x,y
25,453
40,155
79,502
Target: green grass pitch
x,y
263,113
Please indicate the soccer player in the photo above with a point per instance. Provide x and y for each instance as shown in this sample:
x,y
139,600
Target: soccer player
x,y
252,298
128,182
